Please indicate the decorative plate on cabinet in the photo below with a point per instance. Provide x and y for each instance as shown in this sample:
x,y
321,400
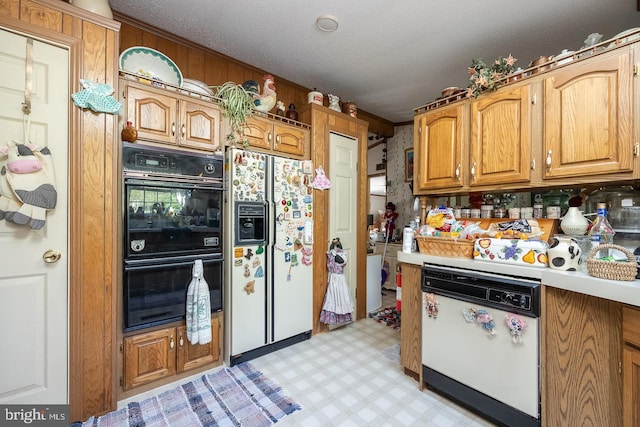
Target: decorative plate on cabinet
x,y
150,64
624,36
196,86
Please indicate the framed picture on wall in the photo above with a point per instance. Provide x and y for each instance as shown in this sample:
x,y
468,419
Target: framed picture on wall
x,y
408,165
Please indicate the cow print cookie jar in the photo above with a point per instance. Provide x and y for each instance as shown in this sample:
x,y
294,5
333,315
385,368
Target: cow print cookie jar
x,y
564,253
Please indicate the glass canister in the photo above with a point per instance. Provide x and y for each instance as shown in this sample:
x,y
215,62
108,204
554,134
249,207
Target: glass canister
x,y
514,213
526,212
486,211
475,213
499,212
538,210
553,212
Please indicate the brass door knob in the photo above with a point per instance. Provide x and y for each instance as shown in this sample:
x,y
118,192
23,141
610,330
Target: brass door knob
x,y
51,256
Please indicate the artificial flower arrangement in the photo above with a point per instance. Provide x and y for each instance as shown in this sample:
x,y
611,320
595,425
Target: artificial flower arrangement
x,y
485,78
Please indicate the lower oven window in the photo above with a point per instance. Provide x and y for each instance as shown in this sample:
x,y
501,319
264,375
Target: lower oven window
x,y
156,294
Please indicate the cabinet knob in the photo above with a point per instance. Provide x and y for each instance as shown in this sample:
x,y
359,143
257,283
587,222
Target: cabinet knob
x,y
181,342
171,343
458,172
278,139
269,137
473,171
183,131
173,129
549,161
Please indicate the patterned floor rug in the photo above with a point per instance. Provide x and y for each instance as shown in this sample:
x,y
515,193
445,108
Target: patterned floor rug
x,y
237,396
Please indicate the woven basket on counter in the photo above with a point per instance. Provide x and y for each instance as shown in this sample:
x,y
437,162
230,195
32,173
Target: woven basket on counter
x,y
612,270
445,246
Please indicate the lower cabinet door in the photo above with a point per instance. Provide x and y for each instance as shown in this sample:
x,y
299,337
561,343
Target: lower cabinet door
x,y
631,386
149,357
191,356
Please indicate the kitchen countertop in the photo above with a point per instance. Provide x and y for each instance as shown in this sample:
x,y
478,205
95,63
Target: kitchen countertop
x,y
576,281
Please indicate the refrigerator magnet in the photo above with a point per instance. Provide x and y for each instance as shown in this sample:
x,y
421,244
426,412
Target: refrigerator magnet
x,y
287,257
259,272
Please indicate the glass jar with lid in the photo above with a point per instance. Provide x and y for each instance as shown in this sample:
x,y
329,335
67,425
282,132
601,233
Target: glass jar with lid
x,y
486,211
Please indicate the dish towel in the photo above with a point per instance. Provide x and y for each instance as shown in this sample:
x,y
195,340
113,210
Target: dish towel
x,y
198,307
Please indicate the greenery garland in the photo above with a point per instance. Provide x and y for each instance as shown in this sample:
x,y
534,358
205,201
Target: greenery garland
x,y
485,78
237,106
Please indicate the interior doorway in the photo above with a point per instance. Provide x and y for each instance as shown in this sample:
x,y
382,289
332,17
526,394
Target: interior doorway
x,y
343,205
34,293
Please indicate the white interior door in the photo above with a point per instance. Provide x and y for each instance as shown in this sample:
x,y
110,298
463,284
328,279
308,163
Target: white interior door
x,y
343,201
33,294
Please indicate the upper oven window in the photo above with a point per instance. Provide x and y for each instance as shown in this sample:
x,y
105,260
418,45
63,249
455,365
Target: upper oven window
x,y
165,218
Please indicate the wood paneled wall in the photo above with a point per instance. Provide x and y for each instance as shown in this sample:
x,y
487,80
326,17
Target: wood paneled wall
x,y
93,196
213,68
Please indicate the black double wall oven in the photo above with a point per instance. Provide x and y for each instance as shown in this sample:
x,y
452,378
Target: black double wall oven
x,y
172,217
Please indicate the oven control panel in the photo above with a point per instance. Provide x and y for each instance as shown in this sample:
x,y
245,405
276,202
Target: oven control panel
x,y
512,299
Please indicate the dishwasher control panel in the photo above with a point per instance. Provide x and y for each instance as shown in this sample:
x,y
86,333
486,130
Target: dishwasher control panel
x,y
512,299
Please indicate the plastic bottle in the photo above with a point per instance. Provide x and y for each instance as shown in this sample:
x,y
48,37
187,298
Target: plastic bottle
x,y
601,231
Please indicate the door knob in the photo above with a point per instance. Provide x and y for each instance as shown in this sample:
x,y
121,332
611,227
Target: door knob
x,y
51,256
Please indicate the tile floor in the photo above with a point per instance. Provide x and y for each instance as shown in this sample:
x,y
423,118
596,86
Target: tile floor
x,y
351,377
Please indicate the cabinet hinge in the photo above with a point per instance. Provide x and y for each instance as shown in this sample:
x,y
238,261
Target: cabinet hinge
x,y
121,381
534,99
121,348
636,68
620,368
636,149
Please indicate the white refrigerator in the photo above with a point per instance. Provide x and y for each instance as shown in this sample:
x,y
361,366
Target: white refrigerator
x,y
269,247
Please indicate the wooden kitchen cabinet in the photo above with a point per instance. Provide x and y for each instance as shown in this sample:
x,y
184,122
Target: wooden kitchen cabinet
x,y
161,354
190,356
167,117
631,366
441,140
480,143
588,112
279,137
500,143
580,359
411,330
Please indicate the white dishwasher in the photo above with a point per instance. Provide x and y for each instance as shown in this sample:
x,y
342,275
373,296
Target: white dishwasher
x,y
481,342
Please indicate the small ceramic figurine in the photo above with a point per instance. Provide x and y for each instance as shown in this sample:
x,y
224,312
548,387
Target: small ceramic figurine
x,y
334,102
129,133
280,110
292,113
350,108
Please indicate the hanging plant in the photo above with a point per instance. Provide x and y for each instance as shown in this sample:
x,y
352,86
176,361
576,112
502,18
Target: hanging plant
x,y
485,78
237,106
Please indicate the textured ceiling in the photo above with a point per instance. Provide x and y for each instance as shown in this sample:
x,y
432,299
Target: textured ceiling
x,y
387,56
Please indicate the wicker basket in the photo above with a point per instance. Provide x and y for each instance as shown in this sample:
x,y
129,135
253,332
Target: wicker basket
x,y
612,270
446,247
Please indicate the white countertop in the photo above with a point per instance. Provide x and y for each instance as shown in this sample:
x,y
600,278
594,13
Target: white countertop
x,y
576,281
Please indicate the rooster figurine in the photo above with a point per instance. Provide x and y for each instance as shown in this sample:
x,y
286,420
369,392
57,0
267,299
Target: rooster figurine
x,y
266,100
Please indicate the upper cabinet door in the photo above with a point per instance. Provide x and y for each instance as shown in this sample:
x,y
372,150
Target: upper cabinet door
x,y
154,115
438,149
258,132
289,139
200,126
588,117
501,137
